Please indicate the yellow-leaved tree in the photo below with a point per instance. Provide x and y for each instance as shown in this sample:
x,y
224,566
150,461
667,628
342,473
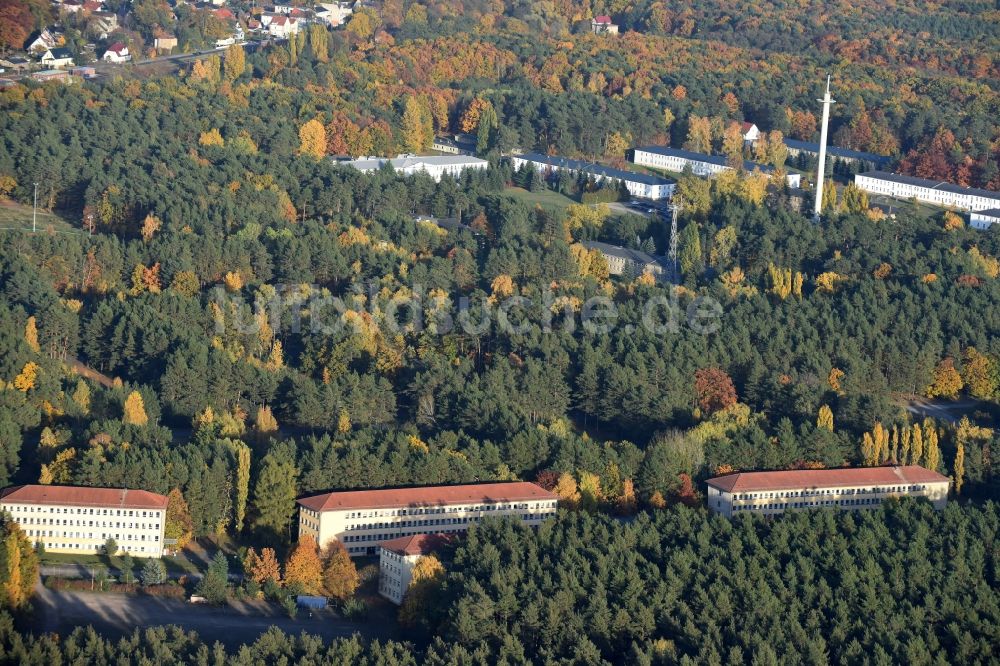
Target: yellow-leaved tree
x,y
426,579
340,576
304,567
134,411
312,139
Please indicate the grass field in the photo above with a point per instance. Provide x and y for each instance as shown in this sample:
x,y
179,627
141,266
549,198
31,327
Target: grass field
x,y
547,199
179,564
17,216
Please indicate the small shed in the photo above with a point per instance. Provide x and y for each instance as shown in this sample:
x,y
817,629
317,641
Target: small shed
x,y
312,603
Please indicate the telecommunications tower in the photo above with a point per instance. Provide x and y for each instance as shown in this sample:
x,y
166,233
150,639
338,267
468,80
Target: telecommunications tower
x,y
821,168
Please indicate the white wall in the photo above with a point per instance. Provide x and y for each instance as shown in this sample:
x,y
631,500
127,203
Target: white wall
x,y
79,529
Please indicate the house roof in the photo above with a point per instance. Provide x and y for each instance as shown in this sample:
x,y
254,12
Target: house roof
x,y
416,544
835,151
989,212
60,53
747,126
742,482
117,47
118,498
594,168
931,184
604,19
516,491
702,157
622,252
413,161
224,13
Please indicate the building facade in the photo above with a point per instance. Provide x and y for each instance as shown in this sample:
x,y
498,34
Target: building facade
x,y
622,259
638,184
678,159
361,519
435,166
772,493
70,519
983,219
854,157
396,559
930,191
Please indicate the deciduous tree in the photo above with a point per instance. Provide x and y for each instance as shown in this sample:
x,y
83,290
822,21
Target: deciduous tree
x,y
303,569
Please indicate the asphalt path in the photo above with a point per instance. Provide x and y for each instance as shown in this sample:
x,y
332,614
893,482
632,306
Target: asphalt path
x,y
115,615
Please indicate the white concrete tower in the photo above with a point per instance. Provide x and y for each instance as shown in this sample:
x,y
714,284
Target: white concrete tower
x,y
821,168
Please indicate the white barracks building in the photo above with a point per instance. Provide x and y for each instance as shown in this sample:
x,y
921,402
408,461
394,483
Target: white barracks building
x,y
934,192
396,559
70,519
771,493
362,519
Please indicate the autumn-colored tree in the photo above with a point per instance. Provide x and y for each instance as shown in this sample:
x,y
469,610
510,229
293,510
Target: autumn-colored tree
x,y
304,568
714,390
235,62
617,144
685,493
264,422
178,524
627,502
242,487
211,138
469,121
825,418
150,225
854,199
882,271
732,145
426,579
917,445
875,445
340,576
590,491
657,501
699,137
31,335
932,455
318,42
134,411
418,130
980,374
958,468
947,382
312,139
952,221
18,565
16,23
185,283
566,490
26,379
263,567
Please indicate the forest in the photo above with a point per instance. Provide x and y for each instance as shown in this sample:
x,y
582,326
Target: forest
x,y
172,332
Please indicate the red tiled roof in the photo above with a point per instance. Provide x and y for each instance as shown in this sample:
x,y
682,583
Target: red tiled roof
x,y
517,491
224,13
416,544
117,47
742,482
747,126
602,19
118,498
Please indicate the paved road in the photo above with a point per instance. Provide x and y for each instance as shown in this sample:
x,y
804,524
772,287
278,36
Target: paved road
x,y
115,615
950,411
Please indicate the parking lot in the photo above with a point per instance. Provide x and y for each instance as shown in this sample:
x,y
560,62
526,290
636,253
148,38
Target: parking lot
x,y
115,615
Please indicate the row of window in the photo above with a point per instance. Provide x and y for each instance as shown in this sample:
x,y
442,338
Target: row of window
x,y
376,538
433,521
881,490
87,523
135,513
449,509
89,535
92,549
781,506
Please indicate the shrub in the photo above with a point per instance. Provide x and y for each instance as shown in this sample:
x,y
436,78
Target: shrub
x,y
354,609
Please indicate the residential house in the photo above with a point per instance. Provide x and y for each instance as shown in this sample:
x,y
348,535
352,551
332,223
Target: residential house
x,y
849,489
934,192
362,519
282,8
637,184
70,519
435,166
750,133
15,63
165,43
104,23
71,6
282,26
983,219
46,40
600,25
57,58
117,52
334,13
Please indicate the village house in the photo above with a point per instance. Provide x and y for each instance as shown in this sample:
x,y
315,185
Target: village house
x,y
117,52
600,25
57,58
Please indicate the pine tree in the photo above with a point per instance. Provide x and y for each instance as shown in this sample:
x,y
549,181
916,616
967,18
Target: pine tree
x,y
274,494
214,585
340,576
153,572
304,569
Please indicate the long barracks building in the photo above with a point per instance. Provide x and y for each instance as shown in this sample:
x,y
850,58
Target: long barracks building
x,y
849,489
361,519
71,519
